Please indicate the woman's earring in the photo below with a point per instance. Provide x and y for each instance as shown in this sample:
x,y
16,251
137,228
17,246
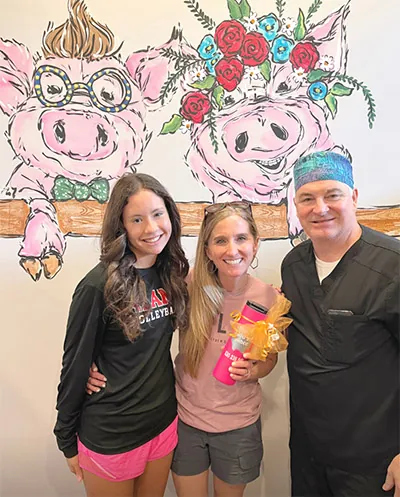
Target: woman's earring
x,y
211,269
256,263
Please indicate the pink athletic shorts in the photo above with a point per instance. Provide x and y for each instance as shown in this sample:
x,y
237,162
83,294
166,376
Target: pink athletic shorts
x,y
129,465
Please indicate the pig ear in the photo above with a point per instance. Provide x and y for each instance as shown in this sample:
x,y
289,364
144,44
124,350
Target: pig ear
x,y
16,68
150,68
330,38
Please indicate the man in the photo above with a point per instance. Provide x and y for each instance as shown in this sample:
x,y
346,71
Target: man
x,y
343,355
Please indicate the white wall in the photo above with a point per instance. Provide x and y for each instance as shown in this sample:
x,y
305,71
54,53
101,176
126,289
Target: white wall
x,y
33,315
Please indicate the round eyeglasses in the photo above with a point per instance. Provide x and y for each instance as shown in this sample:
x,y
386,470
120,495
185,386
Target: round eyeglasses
x,y
108,89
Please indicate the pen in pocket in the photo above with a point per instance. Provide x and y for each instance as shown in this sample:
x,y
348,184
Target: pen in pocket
x,y
339,312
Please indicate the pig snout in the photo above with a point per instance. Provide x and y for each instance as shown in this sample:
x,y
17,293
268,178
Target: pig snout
x,y
77,134
242,139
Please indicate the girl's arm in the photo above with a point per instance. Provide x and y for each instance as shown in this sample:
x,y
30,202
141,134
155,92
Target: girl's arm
x,y
85,328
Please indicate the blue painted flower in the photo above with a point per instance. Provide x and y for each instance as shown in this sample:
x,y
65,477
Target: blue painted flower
x,y
207,47
269,26
213,62
317,90
209,52
281,48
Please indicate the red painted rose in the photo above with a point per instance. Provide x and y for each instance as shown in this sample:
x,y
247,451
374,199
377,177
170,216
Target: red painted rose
x,y
229,36
304,55
229,73
194,106
254,50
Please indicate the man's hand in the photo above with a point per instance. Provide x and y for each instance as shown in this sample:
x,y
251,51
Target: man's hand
x,y
393,477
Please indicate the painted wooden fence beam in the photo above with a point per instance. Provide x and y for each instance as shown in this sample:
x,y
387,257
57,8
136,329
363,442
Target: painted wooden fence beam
x,y
84,218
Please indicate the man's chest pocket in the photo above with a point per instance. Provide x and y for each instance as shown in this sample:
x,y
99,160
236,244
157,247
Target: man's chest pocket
x,y
347,338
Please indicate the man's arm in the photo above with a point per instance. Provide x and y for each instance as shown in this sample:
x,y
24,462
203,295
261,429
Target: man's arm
x,y
392,308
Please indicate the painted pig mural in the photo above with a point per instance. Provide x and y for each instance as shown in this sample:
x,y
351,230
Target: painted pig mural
x,y
260,91
77,122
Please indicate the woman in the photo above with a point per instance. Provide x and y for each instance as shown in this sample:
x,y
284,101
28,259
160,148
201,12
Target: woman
x,y
219,425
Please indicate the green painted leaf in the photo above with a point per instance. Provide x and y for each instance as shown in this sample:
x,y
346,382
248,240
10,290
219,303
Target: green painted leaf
x,y
245,8
172,125
234,9
331,102
265,69
204,84
341,90
300,30
218,95
318,75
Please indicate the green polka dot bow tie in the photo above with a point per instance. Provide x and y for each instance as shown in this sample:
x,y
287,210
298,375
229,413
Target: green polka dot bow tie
x,y
65,189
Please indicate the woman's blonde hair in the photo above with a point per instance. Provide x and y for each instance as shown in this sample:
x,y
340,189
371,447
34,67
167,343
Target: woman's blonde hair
x,y
205,290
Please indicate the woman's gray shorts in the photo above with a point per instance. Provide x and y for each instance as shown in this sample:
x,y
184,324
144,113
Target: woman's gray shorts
x,y
234,456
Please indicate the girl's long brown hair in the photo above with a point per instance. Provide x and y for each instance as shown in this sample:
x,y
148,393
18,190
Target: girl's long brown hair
x,y
124,290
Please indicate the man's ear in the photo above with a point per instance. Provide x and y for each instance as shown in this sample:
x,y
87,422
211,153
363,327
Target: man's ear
x,y
354,196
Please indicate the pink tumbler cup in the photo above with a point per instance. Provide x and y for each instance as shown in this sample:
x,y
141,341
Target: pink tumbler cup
x,y
236,347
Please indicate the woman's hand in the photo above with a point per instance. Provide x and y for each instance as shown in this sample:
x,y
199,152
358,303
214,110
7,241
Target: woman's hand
x,y
249,370
74,467
243,370
96,380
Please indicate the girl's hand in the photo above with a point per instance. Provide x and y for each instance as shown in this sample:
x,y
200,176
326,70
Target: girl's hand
x,y
96,380
74,467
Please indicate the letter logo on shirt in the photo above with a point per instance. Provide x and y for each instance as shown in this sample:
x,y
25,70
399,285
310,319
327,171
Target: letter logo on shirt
x,y
220,319
159,307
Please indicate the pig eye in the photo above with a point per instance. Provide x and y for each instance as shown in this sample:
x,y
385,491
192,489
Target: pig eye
x,y
283,87
54,90
109,90
231,98
107,96
53,87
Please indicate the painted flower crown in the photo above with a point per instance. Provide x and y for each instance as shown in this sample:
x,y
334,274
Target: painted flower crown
x,y
240,53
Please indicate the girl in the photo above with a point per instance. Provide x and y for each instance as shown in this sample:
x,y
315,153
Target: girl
x,y
219,425
122,315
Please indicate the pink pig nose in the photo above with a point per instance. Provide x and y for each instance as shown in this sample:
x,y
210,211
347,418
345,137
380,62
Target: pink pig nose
x,y
78,134
242,138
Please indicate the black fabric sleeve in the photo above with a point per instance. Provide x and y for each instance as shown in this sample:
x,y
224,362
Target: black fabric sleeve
x,y
84,334
282,277
393,308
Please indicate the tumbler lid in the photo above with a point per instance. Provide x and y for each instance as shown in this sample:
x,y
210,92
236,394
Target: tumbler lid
x,y
257,307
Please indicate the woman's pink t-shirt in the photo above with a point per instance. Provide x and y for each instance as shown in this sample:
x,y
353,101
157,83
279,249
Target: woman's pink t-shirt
x,y
204,402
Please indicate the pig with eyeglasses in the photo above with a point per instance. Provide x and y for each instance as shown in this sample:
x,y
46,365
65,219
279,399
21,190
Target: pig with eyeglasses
x,y
77,122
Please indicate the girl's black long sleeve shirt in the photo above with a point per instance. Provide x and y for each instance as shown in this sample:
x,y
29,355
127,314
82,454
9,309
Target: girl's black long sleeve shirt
x,y
138,402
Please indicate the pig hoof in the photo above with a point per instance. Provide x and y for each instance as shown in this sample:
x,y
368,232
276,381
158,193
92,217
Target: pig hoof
x,y
301,237
32,266
51,263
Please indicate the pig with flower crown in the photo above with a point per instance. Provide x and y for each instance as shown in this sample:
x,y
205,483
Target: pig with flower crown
x,y
259,93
